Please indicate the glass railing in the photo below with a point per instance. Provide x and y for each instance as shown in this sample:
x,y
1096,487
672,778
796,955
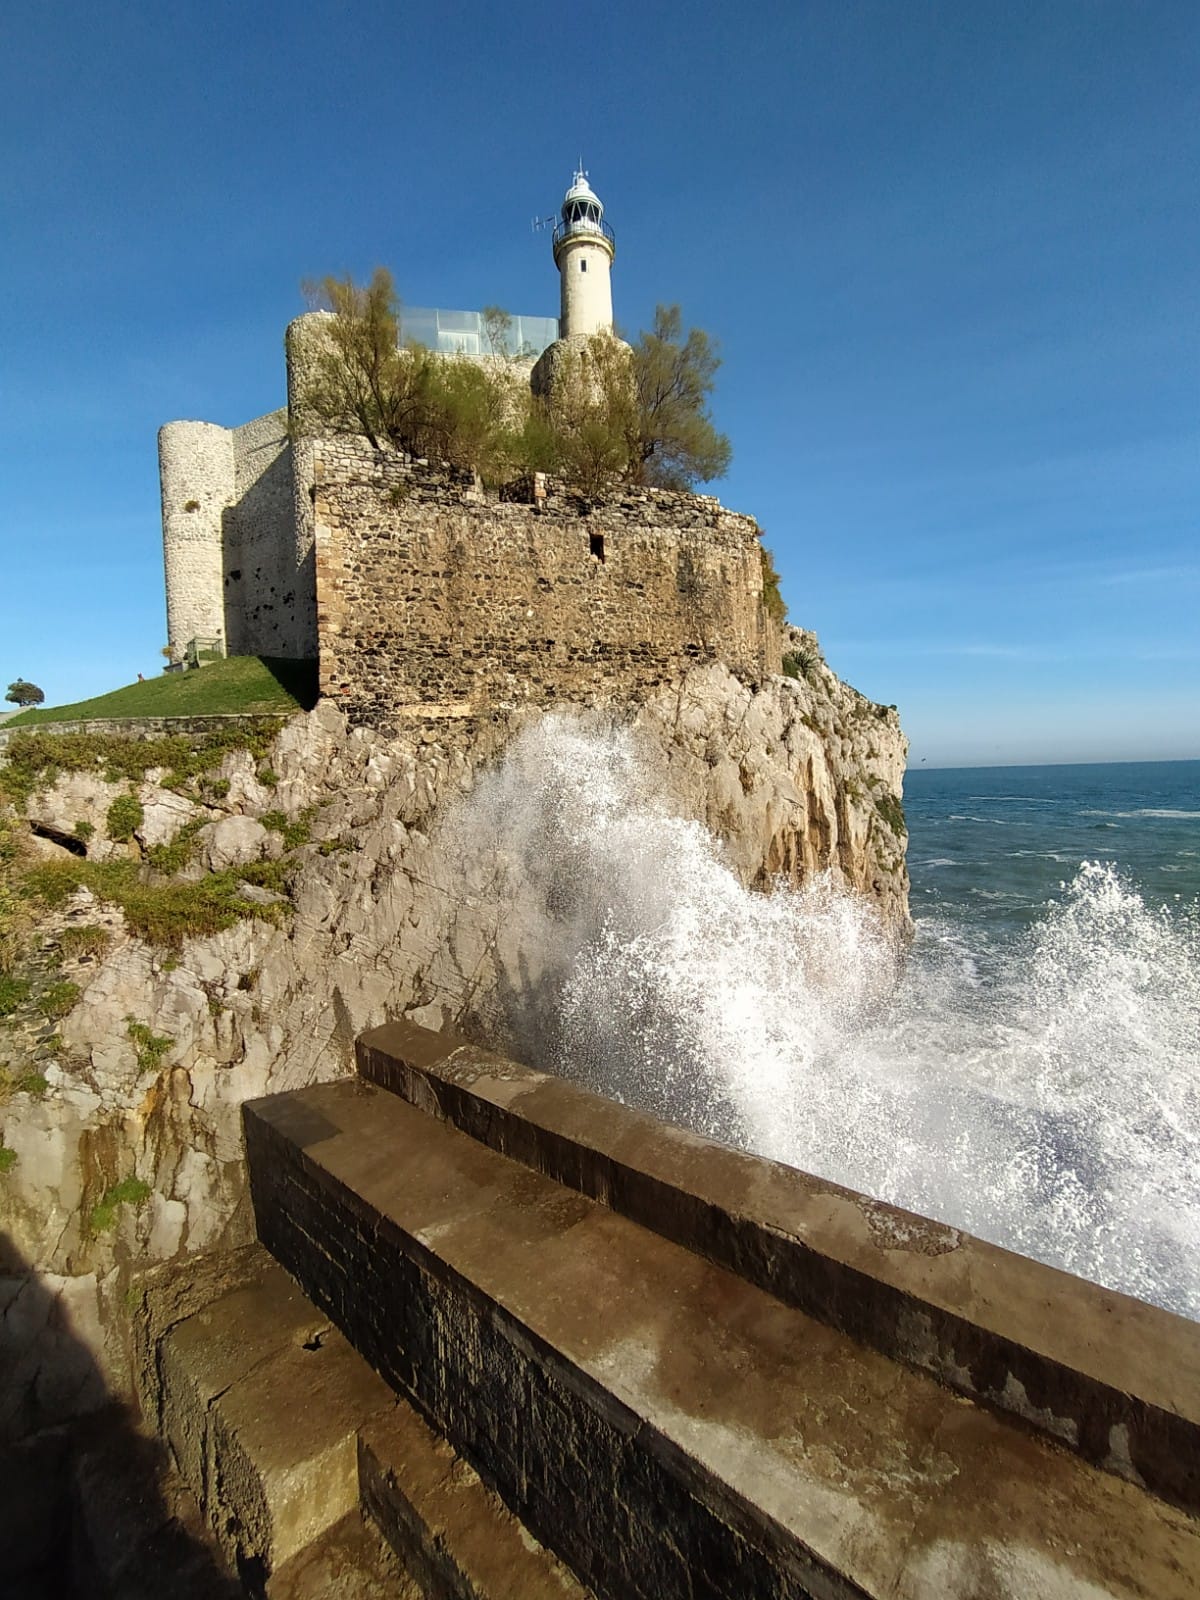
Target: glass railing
x,y
469,333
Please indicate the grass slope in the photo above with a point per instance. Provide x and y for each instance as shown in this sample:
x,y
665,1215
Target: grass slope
x,y
254,685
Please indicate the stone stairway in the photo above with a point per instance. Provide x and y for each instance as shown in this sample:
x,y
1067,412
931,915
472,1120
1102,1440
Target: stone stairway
x,y
549,1347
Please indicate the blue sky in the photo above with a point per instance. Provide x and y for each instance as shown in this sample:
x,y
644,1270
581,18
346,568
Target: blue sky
x,y
950,252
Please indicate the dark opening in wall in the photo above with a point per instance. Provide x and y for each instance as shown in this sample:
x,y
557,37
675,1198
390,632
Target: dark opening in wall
x,y
583,265
596,545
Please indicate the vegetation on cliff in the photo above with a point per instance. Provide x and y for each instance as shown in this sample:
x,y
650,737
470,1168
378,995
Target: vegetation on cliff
x,y
613,413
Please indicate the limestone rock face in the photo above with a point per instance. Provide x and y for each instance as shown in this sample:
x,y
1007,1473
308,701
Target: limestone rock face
x,y
132,1152
233,842
801,777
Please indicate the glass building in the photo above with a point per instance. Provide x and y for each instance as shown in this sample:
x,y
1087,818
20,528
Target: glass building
x,y
464,333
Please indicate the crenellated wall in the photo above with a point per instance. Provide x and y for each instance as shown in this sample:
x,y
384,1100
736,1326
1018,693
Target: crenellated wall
x,y
435,599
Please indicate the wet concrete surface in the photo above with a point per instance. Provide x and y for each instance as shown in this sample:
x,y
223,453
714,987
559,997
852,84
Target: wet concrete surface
x,y
667,1426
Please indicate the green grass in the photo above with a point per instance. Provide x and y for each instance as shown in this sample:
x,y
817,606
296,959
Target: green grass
x,y
8,1159
73,943
249,685
129,1192
149,1047
12,992
57,999
30,1083
164,913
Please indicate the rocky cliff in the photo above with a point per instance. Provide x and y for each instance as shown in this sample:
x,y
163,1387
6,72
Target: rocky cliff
x,y
340,894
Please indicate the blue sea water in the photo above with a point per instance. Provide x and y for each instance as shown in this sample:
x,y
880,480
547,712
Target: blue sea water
x,y
993,847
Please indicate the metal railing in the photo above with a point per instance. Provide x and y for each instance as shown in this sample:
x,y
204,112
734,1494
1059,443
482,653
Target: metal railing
x,y
582,227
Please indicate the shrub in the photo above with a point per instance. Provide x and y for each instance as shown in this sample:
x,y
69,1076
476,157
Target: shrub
x,y
35,759
163,913
83,829
293,833
8,1159
772,594
800,664
125,816
129,1192
174,856
892,812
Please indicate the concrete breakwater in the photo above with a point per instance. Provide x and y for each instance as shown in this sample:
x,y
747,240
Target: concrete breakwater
x,y
681,1366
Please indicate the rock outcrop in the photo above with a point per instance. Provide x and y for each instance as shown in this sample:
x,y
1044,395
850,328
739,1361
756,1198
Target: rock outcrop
x,y
124,1119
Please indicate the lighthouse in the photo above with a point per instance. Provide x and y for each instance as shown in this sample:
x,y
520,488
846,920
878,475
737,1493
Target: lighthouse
x,y
584,248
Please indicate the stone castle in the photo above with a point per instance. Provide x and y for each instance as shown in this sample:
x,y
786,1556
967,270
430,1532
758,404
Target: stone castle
x,y
421,594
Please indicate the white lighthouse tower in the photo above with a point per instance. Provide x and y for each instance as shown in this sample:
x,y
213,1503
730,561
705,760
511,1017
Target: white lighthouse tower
x,y
584,249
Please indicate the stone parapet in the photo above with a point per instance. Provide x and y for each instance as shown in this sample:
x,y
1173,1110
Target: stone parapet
x,y
669,1428
1109,1377
145,727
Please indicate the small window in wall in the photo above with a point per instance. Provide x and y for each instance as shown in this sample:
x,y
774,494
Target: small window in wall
x,y
583,264
596,545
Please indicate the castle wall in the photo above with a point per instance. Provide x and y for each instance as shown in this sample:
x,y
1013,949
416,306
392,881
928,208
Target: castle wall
x,y
435,600
234,563
260,575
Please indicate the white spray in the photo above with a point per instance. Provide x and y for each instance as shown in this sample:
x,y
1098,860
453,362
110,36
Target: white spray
x,y
1052,1106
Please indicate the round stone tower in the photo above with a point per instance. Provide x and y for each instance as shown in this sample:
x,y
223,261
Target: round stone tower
x,y
584,248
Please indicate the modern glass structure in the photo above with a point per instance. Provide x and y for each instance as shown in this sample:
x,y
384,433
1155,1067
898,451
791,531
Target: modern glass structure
x,y
464,333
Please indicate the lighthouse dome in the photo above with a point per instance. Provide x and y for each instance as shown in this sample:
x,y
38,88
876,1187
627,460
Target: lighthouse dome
x,y
582,209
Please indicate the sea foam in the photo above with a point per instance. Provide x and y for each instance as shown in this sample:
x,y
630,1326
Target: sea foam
x,y
1041,1092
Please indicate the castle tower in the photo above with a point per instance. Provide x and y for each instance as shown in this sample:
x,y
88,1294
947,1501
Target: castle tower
x,y
584,248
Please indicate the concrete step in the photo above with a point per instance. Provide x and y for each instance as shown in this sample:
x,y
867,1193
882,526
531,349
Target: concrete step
x,y
260,1399
1111,1377
350,1560
287,1437
669,1429
456,1536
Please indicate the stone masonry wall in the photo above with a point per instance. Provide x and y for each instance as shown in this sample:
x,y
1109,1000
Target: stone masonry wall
x,y
236,565
259,542
437,600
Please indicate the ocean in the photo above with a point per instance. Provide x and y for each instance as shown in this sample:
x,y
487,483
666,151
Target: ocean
x,y
993,847
1029,1071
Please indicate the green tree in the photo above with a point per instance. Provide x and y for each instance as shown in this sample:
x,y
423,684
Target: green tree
x,y
23,693
361,381
677,444
445,407
612,414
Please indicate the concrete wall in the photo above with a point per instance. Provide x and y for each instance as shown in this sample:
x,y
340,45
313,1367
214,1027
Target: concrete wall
x,y
434,599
